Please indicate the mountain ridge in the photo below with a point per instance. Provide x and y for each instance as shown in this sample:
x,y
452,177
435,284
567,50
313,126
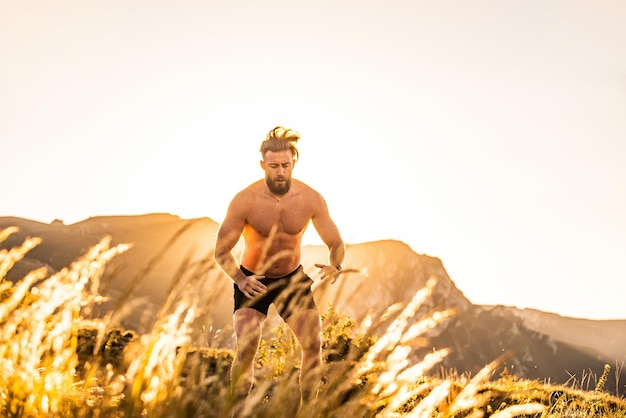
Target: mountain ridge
x,y
387,272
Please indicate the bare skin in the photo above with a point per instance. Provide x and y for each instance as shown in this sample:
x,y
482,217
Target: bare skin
x,y
272,215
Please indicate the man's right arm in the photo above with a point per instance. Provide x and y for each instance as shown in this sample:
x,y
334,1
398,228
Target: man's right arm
x,y
227,236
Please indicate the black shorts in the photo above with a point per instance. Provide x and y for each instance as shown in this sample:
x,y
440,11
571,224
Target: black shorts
x,y
290,294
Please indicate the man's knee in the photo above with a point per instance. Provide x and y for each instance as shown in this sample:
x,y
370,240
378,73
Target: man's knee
x,y
310,342
306,326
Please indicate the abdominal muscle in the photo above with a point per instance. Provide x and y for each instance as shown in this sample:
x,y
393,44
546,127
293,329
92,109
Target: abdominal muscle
x,y
254,260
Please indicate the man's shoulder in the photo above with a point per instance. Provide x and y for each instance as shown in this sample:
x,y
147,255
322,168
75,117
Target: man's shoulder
x,y
309,192
249,192
302,186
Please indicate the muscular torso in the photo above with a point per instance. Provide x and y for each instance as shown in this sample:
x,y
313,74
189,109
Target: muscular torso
x,y
290,217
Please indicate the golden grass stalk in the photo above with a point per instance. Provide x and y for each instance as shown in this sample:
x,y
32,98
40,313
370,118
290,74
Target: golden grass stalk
x,y
387,372
19,291
372,377
603,378
39,326
160,355
7,232
517,410
470,397
430,403
12,256
395,331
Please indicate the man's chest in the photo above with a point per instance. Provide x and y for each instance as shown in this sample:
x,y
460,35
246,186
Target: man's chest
x,y
290,218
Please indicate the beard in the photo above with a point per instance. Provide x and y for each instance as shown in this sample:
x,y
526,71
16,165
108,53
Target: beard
x,y
278,189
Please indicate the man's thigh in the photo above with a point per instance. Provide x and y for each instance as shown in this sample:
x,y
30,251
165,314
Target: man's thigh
x,y
247,321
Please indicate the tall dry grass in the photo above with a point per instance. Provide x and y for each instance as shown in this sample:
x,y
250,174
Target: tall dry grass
x,y
57,361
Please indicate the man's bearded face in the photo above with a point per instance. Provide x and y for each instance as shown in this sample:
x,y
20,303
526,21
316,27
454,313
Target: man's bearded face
x,y
279,186
278,167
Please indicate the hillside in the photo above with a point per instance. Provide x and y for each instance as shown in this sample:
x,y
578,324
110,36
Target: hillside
x,y
605,339
160,243
389,273
544,346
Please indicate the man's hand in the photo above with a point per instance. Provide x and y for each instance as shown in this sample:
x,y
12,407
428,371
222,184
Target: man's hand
x,y
251,286
328,272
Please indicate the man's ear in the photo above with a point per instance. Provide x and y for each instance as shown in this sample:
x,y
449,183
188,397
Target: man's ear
x,y
262,162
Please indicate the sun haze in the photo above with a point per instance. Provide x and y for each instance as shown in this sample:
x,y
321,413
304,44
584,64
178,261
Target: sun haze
x,y
489,134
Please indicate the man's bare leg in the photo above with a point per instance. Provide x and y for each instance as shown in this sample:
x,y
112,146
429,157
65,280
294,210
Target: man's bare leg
x,y
307,327
247,323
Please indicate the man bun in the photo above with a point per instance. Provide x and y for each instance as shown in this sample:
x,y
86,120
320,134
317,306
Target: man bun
x,y
281,139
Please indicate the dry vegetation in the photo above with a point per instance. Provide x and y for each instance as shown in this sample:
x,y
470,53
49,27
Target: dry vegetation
x,y
57,362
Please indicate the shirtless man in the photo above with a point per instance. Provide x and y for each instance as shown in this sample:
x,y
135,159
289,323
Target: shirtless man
x,y
272,215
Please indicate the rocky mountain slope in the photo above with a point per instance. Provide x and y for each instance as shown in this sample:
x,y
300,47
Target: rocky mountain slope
x,y
140,277
604,339
543,345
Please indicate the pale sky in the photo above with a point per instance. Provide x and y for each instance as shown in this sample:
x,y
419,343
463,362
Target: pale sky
x,y
490,134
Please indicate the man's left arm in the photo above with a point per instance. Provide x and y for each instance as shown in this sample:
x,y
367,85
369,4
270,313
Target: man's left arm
x,y
329,233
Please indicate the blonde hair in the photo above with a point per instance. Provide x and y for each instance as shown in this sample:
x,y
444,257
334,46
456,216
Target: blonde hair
x,y
281,139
